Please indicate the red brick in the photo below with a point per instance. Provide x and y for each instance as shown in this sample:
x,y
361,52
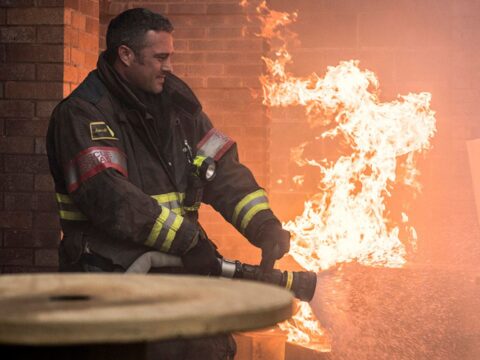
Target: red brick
x,y
16,145
71,38
70,73
225,33
3,16
18,201
206,45
159,8
15,219
224,82
204,70
44,108
186,9
79,20
92,26
47,3
222,57
3,53
211,20
77,57
194,82
240,70
90,63
185,57
35,164
16,108
16,182
256,45
44,182
29,238
87,41
46,257
189,33
17,34
50,72
90,7
9,71
40,146
16,257
34,16
50,34
224,9
34,53
44,220
33,90
45,202
17,3
72,4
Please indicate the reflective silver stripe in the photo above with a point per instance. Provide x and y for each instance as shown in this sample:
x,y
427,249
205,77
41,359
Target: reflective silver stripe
x,y
248,207
164,229
91,161
214,144
173,201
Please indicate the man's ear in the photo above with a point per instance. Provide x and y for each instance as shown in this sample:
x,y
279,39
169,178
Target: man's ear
x,y
126,55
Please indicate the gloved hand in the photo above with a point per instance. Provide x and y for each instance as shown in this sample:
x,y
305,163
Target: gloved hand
x,y
274,242
202,259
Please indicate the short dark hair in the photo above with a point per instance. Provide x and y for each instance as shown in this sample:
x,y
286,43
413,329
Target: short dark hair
x,y
129,28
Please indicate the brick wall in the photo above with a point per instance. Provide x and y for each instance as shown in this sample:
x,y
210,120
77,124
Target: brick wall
x,y
48,46
412,46
40,62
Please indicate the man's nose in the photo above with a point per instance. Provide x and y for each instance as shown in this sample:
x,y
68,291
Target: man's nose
x,y
167,65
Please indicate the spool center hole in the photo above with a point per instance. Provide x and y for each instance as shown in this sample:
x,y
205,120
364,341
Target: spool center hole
x,y
70,298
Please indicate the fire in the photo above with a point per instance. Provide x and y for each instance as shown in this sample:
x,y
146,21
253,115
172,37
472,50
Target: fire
x,y
348,219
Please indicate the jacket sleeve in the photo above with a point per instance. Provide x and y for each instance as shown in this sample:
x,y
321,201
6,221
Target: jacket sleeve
x,y
95,172
234,191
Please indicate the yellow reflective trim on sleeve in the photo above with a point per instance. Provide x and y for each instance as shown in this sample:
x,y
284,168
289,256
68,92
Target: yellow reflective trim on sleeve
x,y
64,199
251,213
245,201
72,215
167,244
288,285
157,227
174,196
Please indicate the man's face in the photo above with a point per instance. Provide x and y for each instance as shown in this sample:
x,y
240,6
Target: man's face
x,y
148,69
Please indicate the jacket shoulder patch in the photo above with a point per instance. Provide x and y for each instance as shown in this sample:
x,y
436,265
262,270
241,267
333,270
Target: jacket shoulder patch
x,y
101,131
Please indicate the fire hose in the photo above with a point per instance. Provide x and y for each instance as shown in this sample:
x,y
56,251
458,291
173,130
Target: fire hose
x,y
301,283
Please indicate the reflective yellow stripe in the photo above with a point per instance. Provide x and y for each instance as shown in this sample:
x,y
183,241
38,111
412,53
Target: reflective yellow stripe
x,y
245,201
251,213
174,196
167,244
72,215
288,285
63,198
157,227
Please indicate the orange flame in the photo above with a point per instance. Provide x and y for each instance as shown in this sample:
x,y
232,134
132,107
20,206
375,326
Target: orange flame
x,y
348,219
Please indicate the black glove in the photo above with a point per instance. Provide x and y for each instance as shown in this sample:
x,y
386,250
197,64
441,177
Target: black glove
x,y
202,259
274,242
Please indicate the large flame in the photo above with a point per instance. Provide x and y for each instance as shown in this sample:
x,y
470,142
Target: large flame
x,y
348,219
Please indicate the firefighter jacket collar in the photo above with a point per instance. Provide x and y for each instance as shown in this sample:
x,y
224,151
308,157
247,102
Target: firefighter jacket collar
x,y
182,97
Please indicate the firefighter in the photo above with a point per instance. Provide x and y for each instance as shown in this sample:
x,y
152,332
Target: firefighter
x,y
133,155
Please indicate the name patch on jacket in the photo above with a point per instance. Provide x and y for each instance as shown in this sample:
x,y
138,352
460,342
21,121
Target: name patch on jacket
x,y
101,131
214,144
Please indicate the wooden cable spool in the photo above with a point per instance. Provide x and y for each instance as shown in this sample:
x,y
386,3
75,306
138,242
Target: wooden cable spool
x,y
76,309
